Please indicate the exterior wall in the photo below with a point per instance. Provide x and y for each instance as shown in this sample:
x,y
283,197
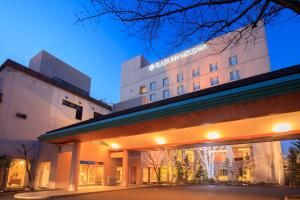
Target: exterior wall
x,y
42,105
252,58
51,66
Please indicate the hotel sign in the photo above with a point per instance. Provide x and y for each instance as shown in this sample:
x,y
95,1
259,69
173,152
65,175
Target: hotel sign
x,y
178,56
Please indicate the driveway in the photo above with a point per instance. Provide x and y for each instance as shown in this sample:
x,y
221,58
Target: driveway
x,y
203,192
193,193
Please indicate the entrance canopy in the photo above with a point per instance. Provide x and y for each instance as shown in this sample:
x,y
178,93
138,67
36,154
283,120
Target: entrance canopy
x,y
260,108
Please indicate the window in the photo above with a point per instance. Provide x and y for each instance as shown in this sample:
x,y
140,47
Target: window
x,y
78,108
142,89
165,82
235,75
152,86
195,72
20,115
196,86
166,94
180,90
180,77
214,81
96,114
152,97
213,67
233,60
1,95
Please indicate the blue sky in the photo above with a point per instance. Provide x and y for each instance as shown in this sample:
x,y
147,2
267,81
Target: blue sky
x,y
32,25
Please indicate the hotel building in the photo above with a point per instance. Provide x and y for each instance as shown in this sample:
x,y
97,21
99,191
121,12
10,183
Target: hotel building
x,y
48,95
183,106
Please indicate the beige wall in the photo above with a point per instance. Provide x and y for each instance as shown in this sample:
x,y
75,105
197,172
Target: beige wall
x,y
252,57
41,102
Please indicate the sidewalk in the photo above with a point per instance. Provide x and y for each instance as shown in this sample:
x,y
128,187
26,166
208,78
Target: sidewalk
x,y
81,190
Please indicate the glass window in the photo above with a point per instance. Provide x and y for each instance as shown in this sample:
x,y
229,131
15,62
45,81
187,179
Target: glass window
x,y
214,81
152,86
78,108
196,86
166,94
142,89
180,77
152,97
195,72
235,75
233,60
213,67
180,90
16,174
165,82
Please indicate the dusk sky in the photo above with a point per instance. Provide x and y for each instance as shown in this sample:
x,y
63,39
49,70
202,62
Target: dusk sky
x,y
29,26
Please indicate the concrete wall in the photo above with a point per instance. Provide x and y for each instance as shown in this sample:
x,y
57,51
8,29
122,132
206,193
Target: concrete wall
x,y
51,66
252,57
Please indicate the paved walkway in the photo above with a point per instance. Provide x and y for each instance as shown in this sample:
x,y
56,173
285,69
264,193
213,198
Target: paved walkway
x,y
64,193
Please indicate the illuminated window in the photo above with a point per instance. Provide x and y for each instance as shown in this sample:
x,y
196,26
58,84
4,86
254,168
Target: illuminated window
x,y
165,82
180,77
142,89
166,94
16,174
196,86
190,155
152,86
44,175
180,90
90,173
214,81
213,67
195,72
235,75
233,60
152,97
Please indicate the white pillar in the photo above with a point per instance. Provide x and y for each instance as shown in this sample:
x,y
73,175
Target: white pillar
x,y
125,168
75,161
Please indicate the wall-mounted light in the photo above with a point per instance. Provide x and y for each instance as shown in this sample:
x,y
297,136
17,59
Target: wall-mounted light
x,y
213,135
115,146
160,140
282,127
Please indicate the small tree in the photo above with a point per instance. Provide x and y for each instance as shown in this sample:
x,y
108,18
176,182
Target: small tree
x,y
293,164
227,167
5,163
154,159
199,174
179,172
26,151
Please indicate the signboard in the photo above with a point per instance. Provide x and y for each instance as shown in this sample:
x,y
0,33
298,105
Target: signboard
x,y
178,56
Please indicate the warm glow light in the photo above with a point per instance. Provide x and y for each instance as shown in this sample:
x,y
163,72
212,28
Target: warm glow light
x,y
22,162
244,149
115,146
160,140
213,135
282,127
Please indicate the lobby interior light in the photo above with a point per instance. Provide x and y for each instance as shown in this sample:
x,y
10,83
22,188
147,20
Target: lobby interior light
x,y
115,146
213,135
22,162
282,127
160,140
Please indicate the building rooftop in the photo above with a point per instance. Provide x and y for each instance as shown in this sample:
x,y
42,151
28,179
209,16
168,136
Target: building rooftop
x,y
59,84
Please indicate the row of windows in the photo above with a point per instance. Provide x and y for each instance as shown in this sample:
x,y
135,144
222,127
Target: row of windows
x,y
195,72
196,86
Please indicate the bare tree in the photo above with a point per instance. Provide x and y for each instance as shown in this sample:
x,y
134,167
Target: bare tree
x,y
27,152
188,22
155,160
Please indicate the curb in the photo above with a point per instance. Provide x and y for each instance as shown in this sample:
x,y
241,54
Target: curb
x,y
292,197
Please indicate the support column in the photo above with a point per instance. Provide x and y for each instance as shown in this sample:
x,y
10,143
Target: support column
x,y
75,161
125,168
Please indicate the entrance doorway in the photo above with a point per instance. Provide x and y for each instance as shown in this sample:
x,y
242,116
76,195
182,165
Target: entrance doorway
x,y
16,174
90,173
